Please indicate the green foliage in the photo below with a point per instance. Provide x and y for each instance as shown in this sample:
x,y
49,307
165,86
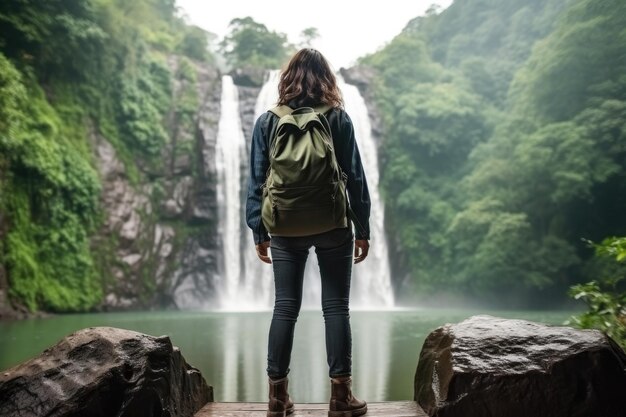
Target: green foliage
x,y
252,44
606,297
51,195
480,79
504,143
411,64
499,34
184,110
71,73
308,35
12,100
142,101
556,82
195,44
439,120
549,167
187,101
134,24
614,248
432,126
58,38
50,264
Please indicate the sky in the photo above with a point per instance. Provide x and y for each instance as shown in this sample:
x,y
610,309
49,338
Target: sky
x,y
348,29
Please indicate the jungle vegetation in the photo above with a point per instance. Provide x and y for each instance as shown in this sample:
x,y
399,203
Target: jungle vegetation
x,y
503,157
70,71
504,148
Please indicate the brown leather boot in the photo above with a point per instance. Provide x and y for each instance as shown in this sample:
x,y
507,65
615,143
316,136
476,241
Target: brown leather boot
x,y
279,404
342,402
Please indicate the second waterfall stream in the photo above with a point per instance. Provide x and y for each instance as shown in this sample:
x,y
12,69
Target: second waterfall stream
x,y
245,283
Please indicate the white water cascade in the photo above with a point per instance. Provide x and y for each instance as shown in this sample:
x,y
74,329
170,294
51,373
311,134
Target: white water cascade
x,y
371,282
246,283
229,147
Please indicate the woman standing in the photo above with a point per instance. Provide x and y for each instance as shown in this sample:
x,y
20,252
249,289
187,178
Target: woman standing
x,y
309,82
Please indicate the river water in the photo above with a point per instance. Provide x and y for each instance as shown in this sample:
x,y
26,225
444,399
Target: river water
x,y
230,348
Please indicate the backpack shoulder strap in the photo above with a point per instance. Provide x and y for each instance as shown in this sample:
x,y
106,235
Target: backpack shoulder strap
x,y
281,111
322,110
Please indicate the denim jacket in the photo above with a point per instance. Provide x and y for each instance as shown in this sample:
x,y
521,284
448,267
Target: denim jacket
x,y
348,157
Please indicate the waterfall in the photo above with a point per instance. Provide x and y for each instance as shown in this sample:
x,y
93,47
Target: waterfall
x,y
229,147
260,287
246,283
371,283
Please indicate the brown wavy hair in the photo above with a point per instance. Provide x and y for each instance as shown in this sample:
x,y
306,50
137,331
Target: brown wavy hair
x,y
308,80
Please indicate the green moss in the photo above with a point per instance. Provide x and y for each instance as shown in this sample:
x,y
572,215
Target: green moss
x,y
21,256
143,98
50,195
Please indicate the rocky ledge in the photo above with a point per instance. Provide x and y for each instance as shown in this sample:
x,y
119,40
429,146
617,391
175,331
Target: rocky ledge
x,y
104,371
491,367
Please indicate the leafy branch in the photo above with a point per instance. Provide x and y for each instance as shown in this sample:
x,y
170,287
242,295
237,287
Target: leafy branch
x,y
605,298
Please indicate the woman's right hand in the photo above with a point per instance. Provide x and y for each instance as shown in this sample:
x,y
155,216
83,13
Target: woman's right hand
x,y
261,251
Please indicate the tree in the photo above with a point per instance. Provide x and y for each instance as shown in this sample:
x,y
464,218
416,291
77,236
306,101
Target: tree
x,y
308,36
252,44
503,144
195,43
61,38
606,296
584,52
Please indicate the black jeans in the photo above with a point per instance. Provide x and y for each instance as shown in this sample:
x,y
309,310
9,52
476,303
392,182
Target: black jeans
x,y
334,251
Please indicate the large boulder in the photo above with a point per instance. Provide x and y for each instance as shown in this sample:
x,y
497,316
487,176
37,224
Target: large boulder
x,y
492,367
102,372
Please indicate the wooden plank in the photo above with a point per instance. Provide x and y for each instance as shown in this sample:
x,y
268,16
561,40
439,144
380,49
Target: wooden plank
x,y
381,409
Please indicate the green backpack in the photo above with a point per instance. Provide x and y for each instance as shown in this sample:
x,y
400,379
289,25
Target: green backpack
x,y
305,190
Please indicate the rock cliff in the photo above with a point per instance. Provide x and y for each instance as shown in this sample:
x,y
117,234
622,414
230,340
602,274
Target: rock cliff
x,y
157,246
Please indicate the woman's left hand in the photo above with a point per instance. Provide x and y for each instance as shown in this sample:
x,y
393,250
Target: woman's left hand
x,y
361,248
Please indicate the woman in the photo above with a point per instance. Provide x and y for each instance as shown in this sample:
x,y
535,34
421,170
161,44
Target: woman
x,y
309,82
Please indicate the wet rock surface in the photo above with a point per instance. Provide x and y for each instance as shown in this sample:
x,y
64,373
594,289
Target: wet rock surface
x,y
487,366
105,371
362,78
249,77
